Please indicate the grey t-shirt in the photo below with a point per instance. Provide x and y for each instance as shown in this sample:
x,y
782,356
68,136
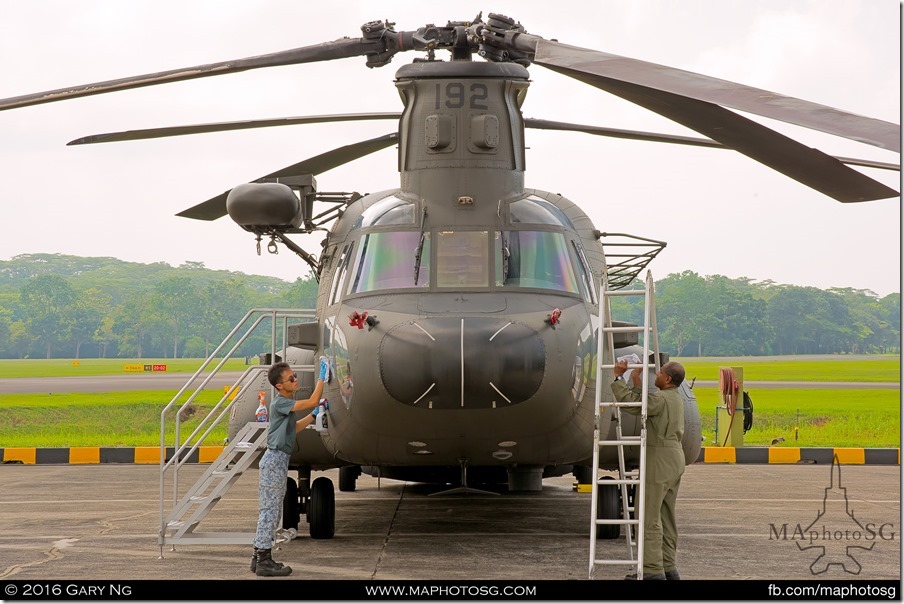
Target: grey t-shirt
x,y
282,424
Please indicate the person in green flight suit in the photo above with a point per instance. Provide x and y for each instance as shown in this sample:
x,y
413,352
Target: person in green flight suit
x,y
664,465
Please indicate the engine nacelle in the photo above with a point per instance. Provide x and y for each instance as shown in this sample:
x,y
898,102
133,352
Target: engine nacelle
x,y
270,205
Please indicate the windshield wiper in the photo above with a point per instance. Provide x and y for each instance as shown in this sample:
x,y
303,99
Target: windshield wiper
x,y
420,246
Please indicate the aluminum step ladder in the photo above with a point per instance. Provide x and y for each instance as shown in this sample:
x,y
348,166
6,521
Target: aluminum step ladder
x,y
632,516
239,455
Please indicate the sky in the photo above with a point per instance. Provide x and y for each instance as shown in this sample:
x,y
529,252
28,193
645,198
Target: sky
x,y
720,212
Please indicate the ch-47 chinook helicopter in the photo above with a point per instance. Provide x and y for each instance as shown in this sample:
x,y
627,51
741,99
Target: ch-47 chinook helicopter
x,y
458,309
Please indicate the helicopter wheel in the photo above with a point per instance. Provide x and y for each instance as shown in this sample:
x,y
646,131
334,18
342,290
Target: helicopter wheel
x,y
291,507
348,476
608,506
322,509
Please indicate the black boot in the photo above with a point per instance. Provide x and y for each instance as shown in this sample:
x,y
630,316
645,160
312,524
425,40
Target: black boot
x,y
672,575
646,577
265,566
254,560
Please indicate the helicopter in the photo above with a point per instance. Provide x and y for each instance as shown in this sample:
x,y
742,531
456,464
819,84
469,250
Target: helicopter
x,y
458,309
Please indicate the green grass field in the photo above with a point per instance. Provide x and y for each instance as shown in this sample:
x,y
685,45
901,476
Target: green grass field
x,y
103,419
827,418
881,368
824,418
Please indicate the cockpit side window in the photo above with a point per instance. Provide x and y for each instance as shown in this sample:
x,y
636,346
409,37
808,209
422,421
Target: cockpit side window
x,y
387,212
536,259
387,261
586,280
341,269
534,210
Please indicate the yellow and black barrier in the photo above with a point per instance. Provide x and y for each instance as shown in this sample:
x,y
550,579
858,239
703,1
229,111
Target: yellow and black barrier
x,y
206,454
97,455
794,455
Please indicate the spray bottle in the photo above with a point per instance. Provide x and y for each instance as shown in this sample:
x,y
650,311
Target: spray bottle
x,y
261,414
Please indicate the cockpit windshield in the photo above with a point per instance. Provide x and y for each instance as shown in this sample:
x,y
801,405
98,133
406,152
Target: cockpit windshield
x,y
531,249
387,261
537,259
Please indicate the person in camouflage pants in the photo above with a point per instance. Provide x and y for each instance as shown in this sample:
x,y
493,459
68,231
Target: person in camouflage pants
x,y
274,465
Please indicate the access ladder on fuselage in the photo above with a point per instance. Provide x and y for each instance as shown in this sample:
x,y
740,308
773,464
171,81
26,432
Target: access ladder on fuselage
x,y
632,516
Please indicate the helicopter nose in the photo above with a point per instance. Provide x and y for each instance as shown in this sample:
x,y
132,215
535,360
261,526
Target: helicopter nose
x,y
455,363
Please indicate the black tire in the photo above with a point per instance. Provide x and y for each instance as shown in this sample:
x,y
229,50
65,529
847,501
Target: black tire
x,y
322,509
608,506
348,476
290,507
583,474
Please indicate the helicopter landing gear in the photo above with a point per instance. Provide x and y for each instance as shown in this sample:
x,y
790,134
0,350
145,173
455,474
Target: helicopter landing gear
x,y
608,506
321,509
583,474
348,476
464,488
291,505
525,478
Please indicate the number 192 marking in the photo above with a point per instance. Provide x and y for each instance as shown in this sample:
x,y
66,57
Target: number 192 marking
x,y
454,96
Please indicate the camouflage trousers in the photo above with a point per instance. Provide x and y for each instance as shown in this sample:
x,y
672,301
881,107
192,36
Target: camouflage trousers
x,y
274,469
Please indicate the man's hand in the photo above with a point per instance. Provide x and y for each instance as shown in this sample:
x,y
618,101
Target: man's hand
x,y
637,378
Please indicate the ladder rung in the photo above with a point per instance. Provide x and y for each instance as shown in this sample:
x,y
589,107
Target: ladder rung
x,y
618,481
631,562
634,329
617,443
611,521
637,404
630,366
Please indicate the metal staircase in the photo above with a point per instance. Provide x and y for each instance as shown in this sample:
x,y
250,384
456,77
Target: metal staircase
x,y
632,516
179,523
247,446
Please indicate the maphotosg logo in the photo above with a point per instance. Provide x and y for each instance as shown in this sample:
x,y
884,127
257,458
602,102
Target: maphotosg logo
x,y
835,537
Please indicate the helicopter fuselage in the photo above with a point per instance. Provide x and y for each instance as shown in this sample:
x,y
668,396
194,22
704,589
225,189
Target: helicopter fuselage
x,y
480,293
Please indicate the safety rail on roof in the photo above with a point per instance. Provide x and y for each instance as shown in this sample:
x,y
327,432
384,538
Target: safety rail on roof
x,y
181,450
632,255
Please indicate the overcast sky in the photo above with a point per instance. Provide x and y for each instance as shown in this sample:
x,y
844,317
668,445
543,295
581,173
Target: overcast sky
x,y
720,212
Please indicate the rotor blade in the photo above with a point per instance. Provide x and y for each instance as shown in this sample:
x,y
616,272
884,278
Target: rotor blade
x,y
337,49
216,207
674,139
540,124
618,133
804,164
131,135
653,79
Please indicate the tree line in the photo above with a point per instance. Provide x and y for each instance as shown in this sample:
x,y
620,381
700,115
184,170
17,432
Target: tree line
x,y
718,316
56,306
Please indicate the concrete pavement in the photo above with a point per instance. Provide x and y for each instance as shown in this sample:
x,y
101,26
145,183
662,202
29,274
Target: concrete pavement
x,y
735,522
